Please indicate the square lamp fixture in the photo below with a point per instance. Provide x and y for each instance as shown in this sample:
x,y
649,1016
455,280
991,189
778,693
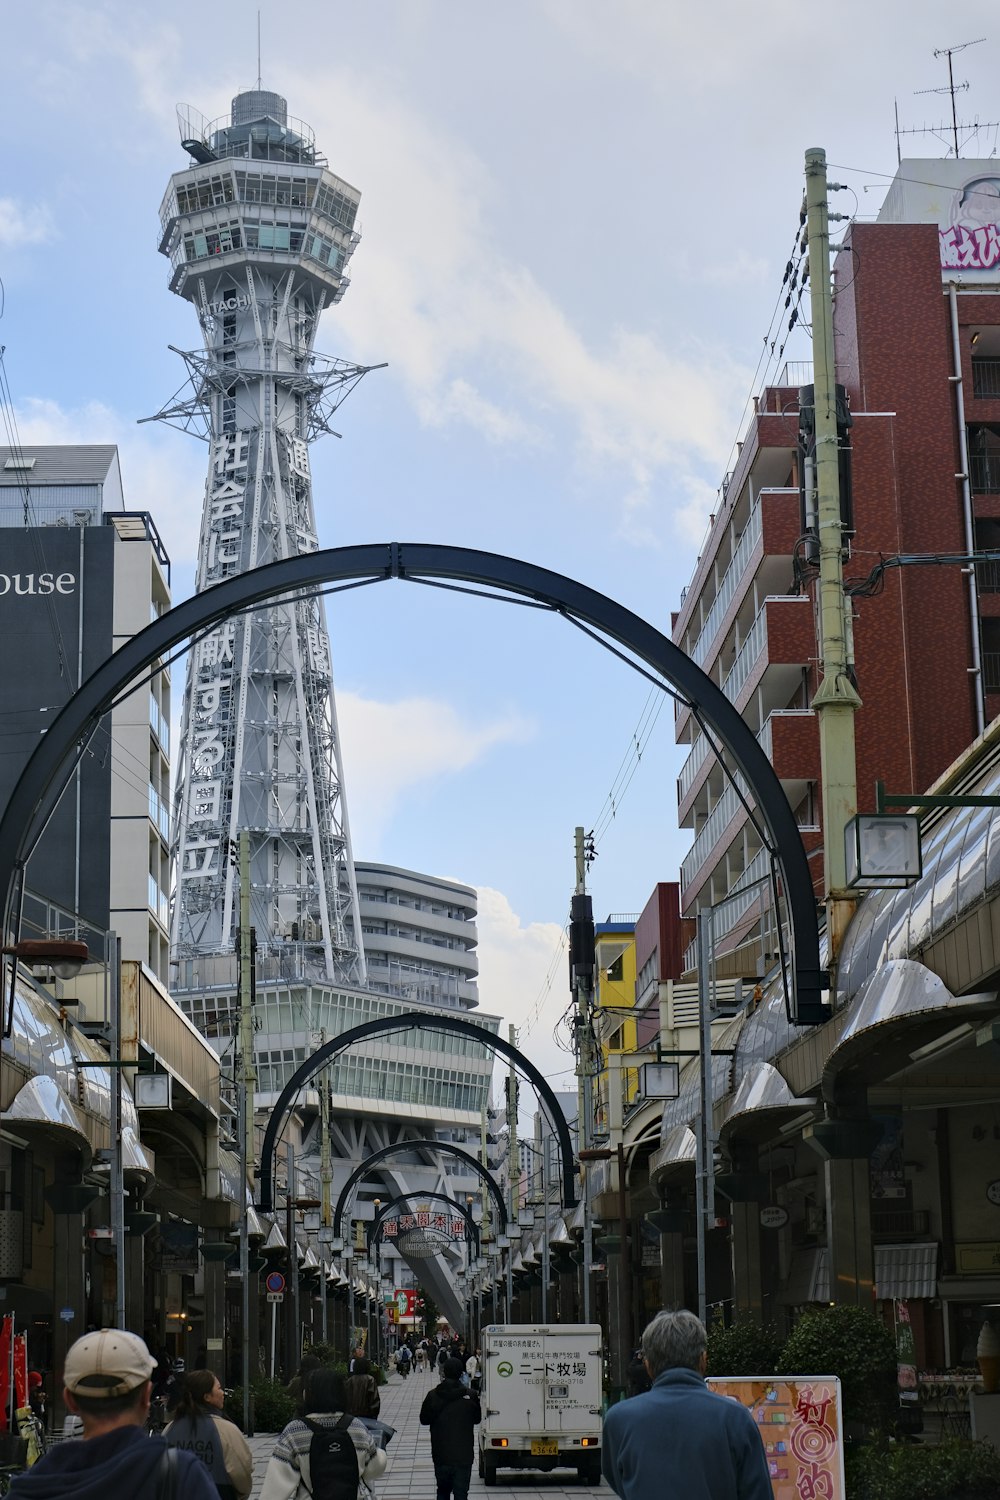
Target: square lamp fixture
x,y
660,1080
882,850
153,1091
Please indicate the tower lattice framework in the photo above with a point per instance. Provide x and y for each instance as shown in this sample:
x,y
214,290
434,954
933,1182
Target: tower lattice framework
x,y
259,233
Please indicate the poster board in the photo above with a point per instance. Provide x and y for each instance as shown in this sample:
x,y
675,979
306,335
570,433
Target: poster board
x,y
799,1417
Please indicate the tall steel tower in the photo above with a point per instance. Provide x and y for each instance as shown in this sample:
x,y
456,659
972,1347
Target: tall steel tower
x,y
259,234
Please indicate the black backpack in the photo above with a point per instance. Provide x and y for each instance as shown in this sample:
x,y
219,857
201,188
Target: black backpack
x,y
333,1461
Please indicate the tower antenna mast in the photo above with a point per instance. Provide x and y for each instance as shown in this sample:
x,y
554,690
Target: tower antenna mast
x,y
258,51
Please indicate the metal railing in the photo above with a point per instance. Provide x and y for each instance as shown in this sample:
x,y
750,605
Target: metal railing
x,y
739,903
722,814
986,377
159,813
991,671
984,473
747,657
727,588
988,577
691,767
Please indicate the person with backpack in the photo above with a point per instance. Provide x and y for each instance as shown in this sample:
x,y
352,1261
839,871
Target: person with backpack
x,y
200,1427
325,1453
403,1360
451,1411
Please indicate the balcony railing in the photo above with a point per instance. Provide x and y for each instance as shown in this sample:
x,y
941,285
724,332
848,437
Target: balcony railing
x,y
984,473
158,724
746,658
988,577
721,815
727,588
740,902
691,767
986,377
159,814
991,671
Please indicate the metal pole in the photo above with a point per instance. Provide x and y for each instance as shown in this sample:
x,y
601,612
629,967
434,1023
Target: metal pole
x,y
274,1333
291,1288
513,1175
246,1113
117,1182
703,1162
583,978
546,1268
967,516
836,700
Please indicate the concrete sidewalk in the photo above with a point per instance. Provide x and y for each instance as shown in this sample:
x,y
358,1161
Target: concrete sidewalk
x,y
409,1474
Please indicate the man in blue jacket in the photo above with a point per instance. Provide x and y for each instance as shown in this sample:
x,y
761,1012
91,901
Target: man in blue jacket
x,y
680,1438
107,1384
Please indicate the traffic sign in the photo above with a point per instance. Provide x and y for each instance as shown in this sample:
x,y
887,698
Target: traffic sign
x,y
275,1296
275,1282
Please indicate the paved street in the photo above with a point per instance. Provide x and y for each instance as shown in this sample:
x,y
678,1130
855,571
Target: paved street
x,y
410,1475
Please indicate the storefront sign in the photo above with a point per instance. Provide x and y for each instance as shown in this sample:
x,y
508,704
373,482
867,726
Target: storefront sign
x,y
773,1216
799,1418
978,1257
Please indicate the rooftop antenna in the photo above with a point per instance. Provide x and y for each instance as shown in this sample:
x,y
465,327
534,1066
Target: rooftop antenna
x,y
258,55
953,87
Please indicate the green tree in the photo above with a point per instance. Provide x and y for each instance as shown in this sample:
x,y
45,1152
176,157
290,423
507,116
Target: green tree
x,y
744,1348
852,1343
429,1312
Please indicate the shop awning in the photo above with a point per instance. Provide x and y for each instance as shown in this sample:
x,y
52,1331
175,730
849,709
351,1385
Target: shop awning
x,y
761,1100
41,1109
901,1271
677,1153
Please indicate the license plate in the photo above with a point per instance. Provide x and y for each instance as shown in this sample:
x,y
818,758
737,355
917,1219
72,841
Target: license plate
x,y
544,1447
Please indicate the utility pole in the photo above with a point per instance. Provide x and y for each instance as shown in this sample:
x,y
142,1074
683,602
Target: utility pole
x,y
513,1175
325,1179
836,700
117,1177
581,978
246,1107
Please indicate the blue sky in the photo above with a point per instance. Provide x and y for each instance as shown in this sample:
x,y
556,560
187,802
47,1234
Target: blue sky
x,y
575,218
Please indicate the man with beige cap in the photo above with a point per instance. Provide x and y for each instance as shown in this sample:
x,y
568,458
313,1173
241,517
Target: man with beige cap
x,y
106,1383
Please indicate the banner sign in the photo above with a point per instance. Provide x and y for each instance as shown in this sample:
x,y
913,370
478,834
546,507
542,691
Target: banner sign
x,y
799,1417
424,1219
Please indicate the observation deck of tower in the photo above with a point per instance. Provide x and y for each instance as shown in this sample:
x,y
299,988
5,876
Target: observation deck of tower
x,y
259,234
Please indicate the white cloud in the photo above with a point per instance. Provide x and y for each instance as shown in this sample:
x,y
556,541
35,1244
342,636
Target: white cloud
x,y
24,224
476,338
390,748
159,472
522,977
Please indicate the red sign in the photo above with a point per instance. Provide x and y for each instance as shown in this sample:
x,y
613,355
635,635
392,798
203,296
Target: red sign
x,y
405,1299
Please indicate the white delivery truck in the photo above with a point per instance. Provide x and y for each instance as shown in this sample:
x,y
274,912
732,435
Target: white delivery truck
x,y
541,1399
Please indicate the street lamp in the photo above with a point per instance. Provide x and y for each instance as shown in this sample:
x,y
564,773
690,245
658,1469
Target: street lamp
x,y
62,956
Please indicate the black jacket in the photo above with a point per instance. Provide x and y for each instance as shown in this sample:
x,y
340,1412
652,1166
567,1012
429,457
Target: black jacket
x,y
451,1411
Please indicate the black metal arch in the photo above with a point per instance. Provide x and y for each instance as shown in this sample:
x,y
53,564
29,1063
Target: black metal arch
x,y
370,1161
48,768
410,1021
384,1212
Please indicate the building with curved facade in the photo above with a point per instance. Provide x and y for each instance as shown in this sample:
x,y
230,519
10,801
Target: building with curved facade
x,y
419,934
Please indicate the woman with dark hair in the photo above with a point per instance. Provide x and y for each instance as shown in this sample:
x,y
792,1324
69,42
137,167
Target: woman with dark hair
x,y
200,1427
361,1390
325,1410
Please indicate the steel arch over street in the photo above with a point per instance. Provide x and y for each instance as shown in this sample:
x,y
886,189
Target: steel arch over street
x,y
409,1021
37,790
388,1209
397,1146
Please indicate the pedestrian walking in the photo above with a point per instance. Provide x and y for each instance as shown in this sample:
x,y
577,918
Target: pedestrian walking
x,y
200,1428
680,1438
106,1380
324,1454
451,1411
361,1390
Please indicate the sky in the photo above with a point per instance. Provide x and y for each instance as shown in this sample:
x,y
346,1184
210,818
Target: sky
x,y
575,219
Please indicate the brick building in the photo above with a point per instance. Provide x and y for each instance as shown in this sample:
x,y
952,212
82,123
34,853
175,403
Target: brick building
x,y
917,344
